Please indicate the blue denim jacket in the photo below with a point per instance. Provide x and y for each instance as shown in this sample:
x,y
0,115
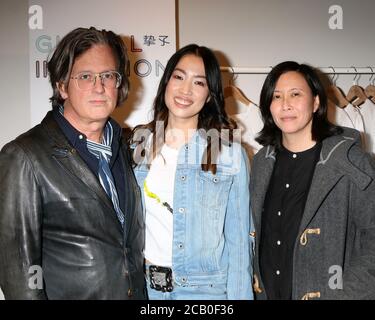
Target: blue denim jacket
x,y
212,247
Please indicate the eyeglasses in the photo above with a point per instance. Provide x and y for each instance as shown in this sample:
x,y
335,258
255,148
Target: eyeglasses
x,y
108,79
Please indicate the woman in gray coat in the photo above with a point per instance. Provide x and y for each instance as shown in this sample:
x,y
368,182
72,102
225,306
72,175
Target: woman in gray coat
x,y
313,196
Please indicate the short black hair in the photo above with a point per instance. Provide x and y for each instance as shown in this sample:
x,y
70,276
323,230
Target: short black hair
x,y
321,126
74,44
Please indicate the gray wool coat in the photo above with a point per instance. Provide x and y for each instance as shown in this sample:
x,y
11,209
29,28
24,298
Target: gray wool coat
x,y
334,253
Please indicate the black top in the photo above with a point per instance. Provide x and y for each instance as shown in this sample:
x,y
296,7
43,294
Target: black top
x,y
282,212
78,141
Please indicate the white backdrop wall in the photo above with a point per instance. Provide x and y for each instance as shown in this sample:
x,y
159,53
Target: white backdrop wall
x,y
150,39
14,68
263,33
31,28
243,32
255,33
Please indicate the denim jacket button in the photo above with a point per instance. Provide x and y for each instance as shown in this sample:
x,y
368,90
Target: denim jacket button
x,y
181,210
216,180
183,178
183,279
180,245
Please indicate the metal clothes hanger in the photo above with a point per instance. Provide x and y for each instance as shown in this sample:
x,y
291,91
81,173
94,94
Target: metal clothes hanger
x,y
335,94
370,89
356,95
236,93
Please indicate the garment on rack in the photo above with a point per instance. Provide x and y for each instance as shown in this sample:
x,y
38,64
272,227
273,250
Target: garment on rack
x,y
249,120
367,113
361,118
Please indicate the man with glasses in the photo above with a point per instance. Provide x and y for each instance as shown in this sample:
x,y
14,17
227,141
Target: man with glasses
x,y
71,224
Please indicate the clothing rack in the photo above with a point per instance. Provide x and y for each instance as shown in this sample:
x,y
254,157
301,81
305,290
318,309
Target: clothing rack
x,y
327,70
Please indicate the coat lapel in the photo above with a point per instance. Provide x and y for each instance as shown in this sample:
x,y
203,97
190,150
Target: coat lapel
x,y
73,163
261,177
68,158
322,182
130,185
331,167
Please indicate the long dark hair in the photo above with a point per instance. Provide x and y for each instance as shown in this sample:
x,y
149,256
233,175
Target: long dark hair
x,y
212,115
321,127
74,44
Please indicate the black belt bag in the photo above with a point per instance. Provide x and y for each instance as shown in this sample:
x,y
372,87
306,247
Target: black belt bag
x,y
161,278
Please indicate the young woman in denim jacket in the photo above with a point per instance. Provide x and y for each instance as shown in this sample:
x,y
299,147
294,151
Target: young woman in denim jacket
x,y
195,187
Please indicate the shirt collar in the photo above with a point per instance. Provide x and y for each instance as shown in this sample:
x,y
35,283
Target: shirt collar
x,y
77,138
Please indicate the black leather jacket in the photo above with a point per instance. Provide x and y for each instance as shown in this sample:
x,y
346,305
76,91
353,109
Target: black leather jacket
x,y
55,214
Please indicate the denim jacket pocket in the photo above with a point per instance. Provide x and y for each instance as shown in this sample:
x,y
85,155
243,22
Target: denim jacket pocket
x,y
214,191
